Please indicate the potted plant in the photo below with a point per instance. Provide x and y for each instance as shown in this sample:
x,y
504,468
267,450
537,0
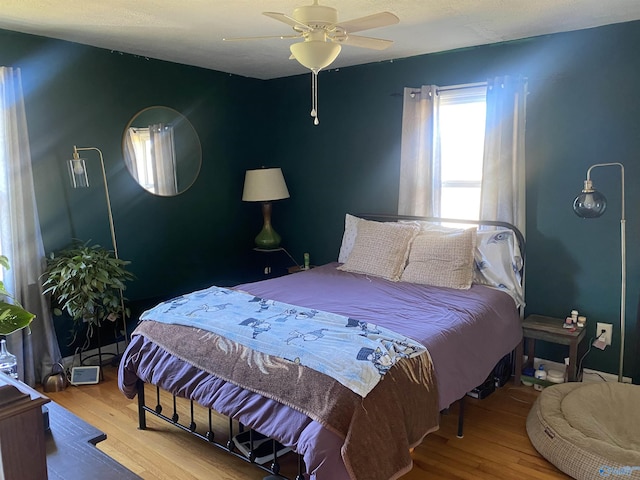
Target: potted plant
x,y
12,316
86,281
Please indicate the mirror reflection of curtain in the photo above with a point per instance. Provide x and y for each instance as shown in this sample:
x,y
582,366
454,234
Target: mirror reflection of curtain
x,y
152,158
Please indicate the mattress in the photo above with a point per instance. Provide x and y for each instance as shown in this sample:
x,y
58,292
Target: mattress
x,y
465,331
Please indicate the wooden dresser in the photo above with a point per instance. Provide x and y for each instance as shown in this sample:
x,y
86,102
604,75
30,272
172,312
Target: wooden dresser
x,y
66,451
22,440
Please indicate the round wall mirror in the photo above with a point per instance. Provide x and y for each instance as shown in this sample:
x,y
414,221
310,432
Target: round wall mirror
x,y
162,151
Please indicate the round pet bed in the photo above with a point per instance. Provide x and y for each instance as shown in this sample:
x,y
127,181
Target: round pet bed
x,y
589,431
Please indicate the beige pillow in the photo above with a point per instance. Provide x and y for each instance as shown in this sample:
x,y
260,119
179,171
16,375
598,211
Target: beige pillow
x,y
442,259
380,249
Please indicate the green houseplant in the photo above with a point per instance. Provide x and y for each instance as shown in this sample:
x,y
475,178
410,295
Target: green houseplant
x,y
12,316
86,281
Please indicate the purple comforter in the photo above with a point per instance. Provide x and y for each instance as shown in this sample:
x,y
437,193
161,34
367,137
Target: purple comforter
x,y
465,331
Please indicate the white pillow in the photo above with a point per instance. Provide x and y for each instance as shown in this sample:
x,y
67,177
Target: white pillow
x,y
380,249
348,237
442,258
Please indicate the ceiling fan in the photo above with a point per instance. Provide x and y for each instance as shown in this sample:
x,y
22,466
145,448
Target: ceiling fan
x,y
323,37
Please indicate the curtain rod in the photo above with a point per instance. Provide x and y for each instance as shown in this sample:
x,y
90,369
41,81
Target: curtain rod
x,y
462,87
449,88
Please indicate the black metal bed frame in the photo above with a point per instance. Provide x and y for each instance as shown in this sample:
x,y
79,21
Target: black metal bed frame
x,y
209,436
274,468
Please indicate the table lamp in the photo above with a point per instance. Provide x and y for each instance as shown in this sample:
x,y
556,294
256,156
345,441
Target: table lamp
x,y
265,185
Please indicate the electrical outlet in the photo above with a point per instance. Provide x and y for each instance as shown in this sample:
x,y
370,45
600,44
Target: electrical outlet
x,y
608,332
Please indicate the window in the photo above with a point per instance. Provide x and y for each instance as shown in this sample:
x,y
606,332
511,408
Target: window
x,y
451,165
461,127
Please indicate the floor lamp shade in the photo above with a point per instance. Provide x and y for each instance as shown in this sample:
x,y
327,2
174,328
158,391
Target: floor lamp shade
x,y
265,185
592,204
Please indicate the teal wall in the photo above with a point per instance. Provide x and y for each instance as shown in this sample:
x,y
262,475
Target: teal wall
x,y
84,96
583,108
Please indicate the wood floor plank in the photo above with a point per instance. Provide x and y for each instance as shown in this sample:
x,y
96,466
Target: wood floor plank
x,y
495,444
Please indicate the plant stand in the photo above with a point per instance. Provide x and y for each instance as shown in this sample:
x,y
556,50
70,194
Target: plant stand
x,y
114,357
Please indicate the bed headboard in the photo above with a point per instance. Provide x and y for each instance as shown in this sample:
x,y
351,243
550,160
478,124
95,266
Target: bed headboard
x,y
492,223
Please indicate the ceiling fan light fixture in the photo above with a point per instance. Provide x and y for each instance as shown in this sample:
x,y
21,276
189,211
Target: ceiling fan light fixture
x,y
315,54
324,36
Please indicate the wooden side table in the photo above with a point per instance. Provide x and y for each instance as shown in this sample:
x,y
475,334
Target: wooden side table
x,y
549,329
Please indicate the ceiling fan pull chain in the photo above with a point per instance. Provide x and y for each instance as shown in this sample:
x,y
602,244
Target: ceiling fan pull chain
x,y
314,97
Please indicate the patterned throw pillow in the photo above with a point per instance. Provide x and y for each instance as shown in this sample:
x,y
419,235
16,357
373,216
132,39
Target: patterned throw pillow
x,y
498,262
380,249
442,259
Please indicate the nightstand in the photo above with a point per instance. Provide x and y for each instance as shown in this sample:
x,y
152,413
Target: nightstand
x,y
299,268
549,329
274,262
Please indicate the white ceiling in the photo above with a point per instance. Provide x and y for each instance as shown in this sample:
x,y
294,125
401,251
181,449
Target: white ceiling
x,y
191,31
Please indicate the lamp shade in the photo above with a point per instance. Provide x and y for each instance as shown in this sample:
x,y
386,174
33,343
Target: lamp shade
x,y
590,204
264,185
315,54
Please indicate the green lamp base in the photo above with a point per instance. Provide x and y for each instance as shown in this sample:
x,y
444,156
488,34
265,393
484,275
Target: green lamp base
x,y
268,238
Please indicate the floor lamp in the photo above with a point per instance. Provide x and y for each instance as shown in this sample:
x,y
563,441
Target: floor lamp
x,y
79,179
592,204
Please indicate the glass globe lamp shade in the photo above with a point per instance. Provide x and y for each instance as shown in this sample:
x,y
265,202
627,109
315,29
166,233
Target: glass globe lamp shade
x,y
315,54
590,204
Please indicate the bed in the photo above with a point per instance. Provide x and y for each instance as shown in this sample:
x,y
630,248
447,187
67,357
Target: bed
x,y
447,341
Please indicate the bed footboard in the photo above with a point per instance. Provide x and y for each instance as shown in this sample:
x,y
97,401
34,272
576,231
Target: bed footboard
x,y
209,436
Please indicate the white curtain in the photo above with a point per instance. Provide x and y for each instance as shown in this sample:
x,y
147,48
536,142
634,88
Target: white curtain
x,y
20,238
503,175
134,150
419,171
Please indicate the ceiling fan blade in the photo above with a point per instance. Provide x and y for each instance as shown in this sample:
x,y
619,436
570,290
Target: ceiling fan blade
x,y
365,42
281,17
266,37
376,20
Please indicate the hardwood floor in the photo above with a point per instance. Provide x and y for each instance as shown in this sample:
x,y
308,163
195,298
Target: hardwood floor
x,y
495,443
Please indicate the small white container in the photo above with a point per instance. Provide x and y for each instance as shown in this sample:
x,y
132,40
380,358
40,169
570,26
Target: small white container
x,y
540,374
555,376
